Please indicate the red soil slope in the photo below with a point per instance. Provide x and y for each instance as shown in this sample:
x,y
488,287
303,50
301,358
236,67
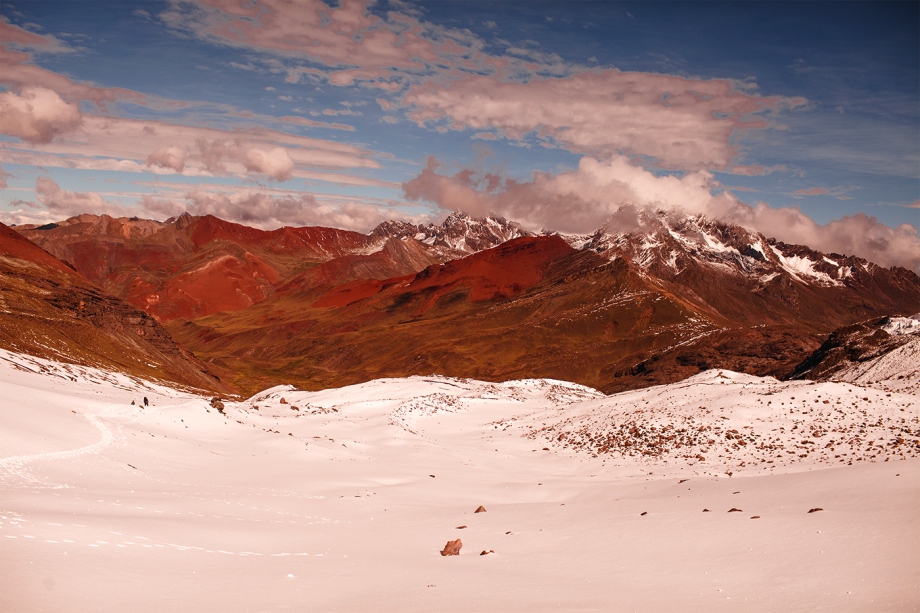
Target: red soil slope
x,y
195,266
48,310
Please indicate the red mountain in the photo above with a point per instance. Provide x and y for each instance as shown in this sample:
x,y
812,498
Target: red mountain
x,y
49,310
195,266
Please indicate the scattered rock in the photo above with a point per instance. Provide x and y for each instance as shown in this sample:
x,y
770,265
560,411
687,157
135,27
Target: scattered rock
x,y
546,449
644,513
432,476
734,510
485,553
452,548
755,516
460,527
217,403
480,509
283,401
706,511
815,510
682,480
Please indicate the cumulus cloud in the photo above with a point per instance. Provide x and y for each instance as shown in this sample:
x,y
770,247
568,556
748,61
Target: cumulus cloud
x,y
576,201
37,115
275,163
168,157
584,199
682,123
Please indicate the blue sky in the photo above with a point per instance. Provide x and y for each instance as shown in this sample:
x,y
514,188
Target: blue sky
x,y
797,119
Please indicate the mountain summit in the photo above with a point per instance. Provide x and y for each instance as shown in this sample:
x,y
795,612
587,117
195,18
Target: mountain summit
x,y
457,236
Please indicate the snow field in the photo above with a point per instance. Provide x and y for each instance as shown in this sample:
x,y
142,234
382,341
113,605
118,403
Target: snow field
x,y
326,502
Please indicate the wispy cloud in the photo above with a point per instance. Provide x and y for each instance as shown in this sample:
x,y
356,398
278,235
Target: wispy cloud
x,y
110,143
684,124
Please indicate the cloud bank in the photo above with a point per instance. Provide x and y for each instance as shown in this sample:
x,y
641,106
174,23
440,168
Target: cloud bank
x,y
584,199
61,202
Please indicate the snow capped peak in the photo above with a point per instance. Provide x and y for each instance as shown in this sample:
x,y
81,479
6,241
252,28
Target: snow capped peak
x,y
458,235
666,244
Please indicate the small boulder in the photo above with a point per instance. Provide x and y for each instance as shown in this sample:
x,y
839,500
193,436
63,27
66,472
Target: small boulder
x,y
755,516
283,401
734,510
460,527
480,509
216,403
485,553
815,510
644,513
452,548
706,511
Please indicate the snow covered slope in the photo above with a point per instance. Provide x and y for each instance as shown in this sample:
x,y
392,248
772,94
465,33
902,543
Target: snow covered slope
x,y
881,353
898,370
340,500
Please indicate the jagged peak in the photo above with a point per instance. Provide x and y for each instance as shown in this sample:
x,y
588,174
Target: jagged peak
x,y
459,234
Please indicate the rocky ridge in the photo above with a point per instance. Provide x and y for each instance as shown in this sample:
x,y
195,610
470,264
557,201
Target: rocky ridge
x,y
882,353
458,235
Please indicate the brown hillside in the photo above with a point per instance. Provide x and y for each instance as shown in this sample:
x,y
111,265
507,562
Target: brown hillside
x,y
50,311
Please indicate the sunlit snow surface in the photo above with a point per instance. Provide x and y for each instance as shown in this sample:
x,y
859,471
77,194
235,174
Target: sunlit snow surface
x,y
341,500
897,326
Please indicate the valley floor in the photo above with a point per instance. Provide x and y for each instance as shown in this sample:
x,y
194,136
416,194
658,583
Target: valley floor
x,y
341,500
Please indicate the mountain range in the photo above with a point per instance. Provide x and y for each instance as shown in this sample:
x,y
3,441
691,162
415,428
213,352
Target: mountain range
x,y
650,298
